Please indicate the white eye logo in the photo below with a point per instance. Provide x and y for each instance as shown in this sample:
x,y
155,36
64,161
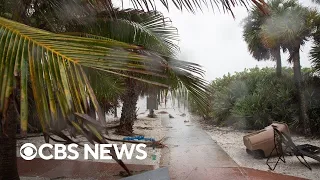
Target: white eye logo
x,y
28,151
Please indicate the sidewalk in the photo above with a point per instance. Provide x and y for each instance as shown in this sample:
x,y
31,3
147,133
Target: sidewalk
x,y
192,154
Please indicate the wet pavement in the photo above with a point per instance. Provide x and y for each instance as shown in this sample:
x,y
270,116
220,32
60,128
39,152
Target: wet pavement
x,y
192,154
66,169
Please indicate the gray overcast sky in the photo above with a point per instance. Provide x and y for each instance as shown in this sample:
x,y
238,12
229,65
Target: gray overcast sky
x,y
214,40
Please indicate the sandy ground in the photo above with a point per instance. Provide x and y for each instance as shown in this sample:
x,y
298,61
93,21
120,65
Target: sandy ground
x,y
149,127
143,126
231,141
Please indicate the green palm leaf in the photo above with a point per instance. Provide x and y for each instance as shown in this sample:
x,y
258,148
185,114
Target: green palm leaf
x,y
148,29
184,79
53,65
251,34
290,23
151,30
194,5
57,13
187,82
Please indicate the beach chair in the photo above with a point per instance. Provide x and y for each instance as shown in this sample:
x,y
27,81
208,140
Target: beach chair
x,y
284,145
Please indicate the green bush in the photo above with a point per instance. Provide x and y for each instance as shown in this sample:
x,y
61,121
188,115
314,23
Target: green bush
x,y
271,99
255,97
312,94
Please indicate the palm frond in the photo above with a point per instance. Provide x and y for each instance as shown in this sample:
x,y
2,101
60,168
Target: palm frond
x,y
65,10
194,5
251,35
106,87
54,66
54,14
315,57
186,82
151,30
291,24
315,49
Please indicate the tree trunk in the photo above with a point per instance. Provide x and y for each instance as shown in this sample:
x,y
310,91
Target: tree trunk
x,y
303,117
115,111
276,54
151,113
129,114
8,124
8,158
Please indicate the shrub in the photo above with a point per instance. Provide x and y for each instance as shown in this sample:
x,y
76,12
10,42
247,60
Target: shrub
x,y
270,100
255,97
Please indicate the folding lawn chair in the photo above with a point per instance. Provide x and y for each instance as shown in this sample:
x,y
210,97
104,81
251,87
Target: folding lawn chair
x,y
281,138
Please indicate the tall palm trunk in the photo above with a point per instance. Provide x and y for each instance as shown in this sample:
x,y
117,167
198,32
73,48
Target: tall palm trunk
x,y
8,158
129,114
276,54
303,117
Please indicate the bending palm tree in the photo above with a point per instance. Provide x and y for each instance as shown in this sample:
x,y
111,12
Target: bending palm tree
x,y
292,28
154,32
150,30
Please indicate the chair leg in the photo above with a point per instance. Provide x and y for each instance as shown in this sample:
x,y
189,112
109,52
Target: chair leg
x,y
279,151
305,163
286,139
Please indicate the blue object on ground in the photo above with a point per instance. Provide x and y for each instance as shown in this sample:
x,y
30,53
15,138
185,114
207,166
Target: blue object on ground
x,y
134,138
149,139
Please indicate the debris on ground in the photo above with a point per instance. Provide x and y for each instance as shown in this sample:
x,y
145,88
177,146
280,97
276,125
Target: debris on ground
x,y
138,138
150,142
162,112
170,116
144,128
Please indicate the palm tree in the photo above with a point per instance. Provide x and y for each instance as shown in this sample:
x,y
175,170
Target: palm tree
x,y
252,33
153,32
292,28
150,30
